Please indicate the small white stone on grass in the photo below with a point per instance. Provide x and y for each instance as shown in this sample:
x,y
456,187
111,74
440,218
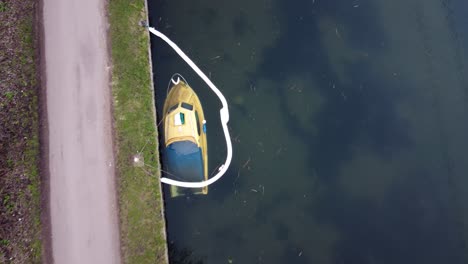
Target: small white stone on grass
x,y
138,160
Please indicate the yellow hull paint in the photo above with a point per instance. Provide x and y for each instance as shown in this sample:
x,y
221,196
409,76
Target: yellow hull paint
x,y
192,129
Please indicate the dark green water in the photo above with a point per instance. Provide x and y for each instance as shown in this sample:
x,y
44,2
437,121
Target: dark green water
x,y
349,121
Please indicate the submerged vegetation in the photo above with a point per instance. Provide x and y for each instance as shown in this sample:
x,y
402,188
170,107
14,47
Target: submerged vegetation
x,y
20,226
140,198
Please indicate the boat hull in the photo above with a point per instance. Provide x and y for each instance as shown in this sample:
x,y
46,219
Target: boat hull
x,y
184,137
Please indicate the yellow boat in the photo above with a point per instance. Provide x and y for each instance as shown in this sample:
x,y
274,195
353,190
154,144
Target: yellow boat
x,y
186,152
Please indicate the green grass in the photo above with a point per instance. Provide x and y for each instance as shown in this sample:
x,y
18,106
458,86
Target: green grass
x,y
31,153
3,7
141,220
32,164
9,95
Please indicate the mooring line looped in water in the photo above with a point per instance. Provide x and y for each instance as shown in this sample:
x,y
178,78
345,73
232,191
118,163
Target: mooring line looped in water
x,y
224,113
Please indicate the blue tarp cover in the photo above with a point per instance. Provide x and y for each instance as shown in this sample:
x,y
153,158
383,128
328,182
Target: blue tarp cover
x,y
184,161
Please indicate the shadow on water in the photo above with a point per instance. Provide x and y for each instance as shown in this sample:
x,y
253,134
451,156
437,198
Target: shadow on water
x,y
366,106
410,226
182,256
300,49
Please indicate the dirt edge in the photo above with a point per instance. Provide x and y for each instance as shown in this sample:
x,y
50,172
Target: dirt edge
x,y
47,256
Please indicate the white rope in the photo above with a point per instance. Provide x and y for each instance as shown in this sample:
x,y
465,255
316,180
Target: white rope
x,y
171,81
224,113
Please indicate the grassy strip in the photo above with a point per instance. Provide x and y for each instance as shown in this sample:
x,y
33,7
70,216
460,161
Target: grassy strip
x,y
142,223
31,154
20,232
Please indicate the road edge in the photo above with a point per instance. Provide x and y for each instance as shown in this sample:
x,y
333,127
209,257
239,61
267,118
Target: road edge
x,y
47,253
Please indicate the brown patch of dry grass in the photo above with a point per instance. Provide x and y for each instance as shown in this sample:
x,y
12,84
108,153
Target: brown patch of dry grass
x,y
19,148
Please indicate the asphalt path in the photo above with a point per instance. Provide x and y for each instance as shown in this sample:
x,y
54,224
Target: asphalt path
x,y
83,203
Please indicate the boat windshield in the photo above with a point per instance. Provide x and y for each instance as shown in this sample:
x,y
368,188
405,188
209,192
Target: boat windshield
x,y
172,108
187,106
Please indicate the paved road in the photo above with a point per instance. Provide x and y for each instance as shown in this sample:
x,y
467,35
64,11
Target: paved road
x,y
83,207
